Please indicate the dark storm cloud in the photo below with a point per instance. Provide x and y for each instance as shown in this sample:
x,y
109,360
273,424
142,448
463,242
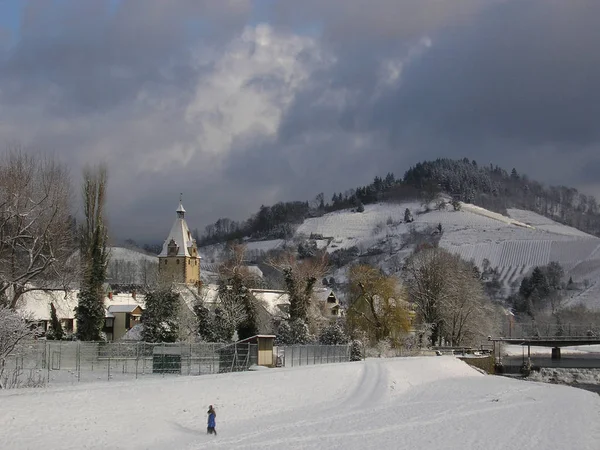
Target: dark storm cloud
x,y
92,55
508,84
525,71
176,96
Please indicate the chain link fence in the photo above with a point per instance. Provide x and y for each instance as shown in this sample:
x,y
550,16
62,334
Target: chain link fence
x,y
44,363
308,355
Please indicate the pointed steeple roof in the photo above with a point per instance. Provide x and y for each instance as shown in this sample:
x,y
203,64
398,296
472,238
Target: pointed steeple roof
x,y
181,209
180,234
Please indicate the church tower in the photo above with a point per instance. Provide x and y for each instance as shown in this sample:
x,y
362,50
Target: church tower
x,y
179,261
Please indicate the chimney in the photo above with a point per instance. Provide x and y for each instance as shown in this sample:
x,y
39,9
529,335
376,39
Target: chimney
x,y
133,294
110,295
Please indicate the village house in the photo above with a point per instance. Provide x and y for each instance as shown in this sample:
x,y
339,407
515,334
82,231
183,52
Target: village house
x,y
179,265
123,311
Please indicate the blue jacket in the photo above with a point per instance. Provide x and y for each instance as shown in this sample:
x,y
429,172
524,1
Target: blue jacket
x,y
211,419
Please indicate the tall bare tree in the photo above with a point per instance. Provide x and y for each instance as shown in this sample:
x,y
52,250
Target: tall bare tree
x,y
13,331
36,236
448,296
427,273
94,255
300,277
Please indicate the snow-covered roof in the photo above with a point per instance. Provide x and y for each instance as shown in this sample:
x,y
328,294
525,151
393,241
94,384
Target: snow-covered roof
x,y
35,305
322,294
274,301
180,233
134,334
122,308
208,294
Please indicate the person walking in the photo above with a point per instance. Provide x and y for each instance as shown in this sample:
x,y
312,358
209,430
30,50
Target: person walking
x,y
212,415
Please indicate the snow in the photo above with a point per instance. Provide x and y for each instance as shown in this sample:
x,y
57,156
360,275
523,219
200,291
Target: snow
x,y
540,222
421,402
129,255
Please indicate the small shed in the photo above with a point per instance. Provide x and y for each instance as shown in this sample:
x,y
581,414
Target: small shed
x,y
265,348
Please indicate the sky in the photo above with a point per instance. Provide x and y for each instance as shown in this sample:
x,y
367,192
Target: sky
x,y
240,103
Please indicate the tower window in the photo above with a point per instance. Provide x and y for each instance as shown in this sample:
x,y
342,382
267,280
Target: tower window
x,y
166,262
177,261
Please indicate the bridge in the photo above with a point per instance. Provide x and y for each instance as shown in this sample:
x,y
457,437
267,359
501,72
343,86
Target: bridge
x,y
555,336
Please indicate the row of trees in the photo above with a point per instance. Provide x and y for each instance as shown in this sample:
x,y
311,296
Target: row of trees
x,y
494,188
488,186
540,291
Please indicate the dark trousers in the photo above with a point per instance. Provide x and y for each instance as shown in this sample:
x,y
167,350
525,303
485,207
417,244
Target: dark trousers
x,y
211,430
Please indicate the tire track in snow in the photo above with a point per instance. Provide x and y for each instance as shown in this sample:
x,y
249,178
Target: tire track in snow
x,y
369,392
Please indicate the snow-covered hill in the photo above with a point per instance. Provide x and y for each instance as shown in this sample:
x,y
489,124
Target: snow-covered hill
x,y
512,244
420,403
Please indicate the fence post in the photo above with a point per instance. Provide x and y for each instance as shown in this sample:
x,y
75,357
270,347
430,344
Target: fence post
x,y
78,361
143,358
292,356
48,357
108,370
137,358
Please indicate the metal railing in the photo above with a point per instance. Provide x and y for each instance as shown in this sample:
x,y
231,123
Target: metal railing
x,y
43,363
548,330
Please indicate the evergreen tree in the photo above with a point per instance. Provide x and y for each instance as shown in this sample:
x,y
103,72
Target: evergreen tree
x,y
408,217
356,351
159,319
206,323
234,290
294,332
94,257
56,331
333,334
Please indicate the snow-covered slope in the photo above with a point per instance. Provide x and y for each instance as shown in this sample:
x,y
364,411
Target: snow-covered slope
x,y
129,255
513,245
420,403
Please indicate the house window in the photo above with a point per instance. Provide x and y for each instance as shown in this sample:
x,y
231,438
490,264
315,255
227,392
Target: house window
x,y
109,322
67,325
177,261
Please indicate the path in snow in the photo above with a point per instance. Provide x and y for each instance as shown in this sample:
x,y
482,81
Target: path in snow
x,y
416,403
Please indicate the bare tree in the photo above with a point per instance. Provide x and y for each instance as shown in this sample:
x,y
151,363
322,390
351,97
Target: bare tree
x,y
148,272
300,277
448,296
13,330
426,273
36,237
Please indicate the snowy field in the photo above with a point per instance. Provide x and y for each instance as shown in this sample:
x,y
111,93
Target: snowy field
x,y
412,403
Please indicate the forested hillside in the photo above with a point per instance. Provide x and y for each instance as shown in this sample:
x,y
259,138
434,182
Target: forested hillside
x,y
490,187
